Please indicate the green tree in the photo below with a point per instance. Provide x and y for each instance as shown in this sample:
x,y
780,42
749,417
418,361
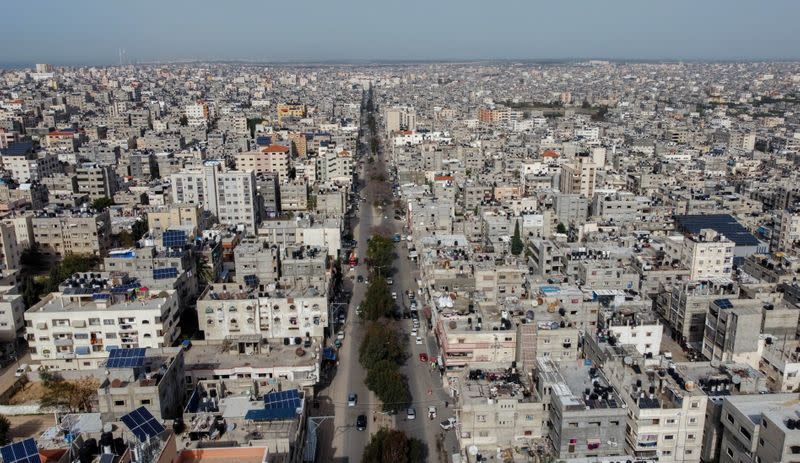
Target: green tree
x,y
71,396
391,387
5,427
561,228
103,203
380,252
381,343
392,445
126,239
139,229
30,291
516,241
32,259
378,300
202,270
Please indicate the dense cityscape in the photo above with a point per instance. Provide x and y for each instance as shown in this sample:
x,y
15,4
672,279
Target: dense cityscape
x,y
511,261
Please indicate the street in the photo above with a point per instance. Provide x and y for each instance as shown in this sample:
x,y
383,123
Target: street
x,y
339,440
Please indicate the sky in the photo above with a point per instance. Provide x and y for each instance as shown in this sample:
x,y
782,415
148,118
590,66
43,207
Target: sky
x,y
93,31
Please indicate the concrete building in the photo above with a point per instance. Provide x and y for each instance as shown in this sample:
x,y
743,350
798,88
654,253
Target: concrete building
x,y
707,254
272,158
587,418
257,262
77,232
12,308
10,249
181,216
787,235
159,385
758,429
96,181
294,195
73,330
400,118
247,315
579,176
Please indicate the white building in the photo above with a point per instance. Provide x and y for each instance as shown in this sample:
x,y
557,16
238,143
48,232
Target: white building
x,y
75,329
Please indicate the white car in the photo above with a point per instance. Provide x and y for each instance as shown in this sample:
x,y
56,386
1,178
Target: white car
x,y
431,412
394,295
389,281
419,340
448,423
340,335
411,414
23,368
414,332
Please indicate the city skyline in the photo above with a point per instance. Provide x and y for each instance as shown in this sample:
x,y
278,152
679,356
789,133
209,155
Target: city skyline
x,y
358,31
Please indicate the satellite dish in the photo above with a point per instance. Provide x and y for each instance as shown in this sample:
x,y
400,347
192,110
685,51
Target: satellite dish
x,y
736,379
473,450
627,360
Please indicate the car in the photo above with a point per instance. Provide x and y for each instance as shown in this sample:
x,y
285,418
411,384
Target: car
x,y
340,335
414,332
394,295
352,400
413,305
361,422
411,414
423,357
389,281
341,318
23,368
448,423
419,340
360,279
431,412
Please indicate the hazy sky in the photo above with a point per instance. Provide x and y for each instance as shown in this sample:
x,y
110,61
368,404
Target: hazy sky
x,y
92,31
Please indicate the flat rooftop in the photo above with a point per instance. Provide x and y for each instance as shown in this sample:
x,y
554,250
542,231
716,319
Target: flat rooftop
x,y
215,358
57,302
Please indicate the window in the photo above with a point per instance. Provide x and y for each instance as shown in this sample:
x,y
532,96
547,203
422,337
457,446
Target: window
x,y
745,433
481,418
108,322
119,403
145,402
729,452
730,419
669,437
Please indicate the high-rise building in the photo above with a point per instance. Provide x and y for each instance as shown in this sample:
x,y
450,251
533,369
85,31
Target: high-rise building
x,y
579,176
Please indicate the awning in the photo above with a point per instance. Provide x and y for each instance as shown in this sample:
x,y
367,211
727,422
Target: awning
x,y
82,350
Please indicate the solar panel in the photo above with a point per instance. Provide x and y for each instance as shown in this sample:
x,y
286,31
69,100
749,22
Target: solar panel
x,y
126,358
162,273
107,458
173,238
142,424
723,303
277,405
251,280
21,452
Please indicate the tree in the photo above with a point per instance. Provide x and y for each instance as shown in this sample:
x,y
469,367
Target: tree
x,y
516,241
33,260
30,291
378,300
71,396
103,203
184,121
389,385
561,228
139,229
381,343
126,239
391,445
5,427
202,270
380,252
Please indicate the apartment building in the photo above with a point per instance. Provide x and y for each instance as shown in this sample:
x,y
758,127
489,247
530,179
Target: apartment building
x,y
617,207
26,166
257,262
180,216
79,232
10,249
236,200
707,254
400,118
248,315
760,428
471,341
579,176
12,308
684,307
496,410
586,416
96,181
75,328
787,235
158,384
272,158
290,110
294,195
733,331
197,113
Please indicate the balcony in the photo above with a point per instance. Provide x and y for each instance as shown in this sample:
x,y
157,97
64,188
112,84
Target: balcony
x,y
63,342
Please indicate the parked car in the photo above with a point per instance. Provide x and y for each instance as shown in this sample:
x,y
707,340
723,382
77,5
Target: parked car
x,y
448,423
352,400
360,279
394,295
411,414
431,412
419,340
389,281
340,335
361,422
423,357
23,368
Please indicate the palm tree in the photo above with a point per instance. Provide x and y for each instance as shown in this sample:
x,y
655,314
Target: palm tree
x,y
202,270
